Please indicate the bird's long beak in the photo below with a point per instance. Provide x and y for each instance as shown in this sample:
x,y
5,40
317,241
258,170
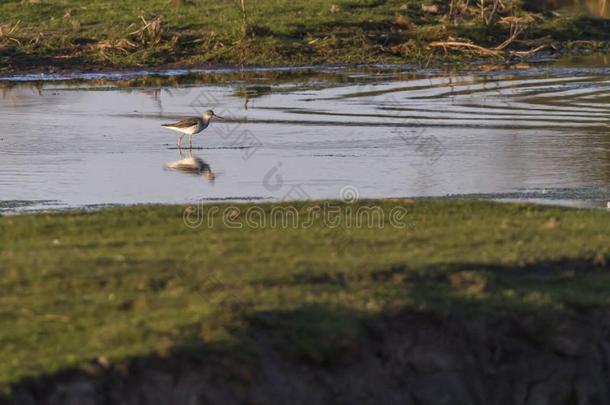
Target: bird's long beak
x,y
218,116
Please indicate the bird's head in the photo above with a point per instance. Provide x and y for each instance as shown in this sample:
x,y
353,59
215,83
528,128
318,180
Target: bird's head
x,y
209,114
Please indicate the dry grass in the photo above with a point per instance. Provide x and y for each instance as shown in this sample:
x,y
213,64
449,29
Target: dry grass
x,y
150,33
499,14
7,33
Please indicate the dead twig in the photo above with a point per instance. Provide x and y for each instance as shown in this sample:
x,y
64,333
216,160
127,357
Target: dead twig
x,y
36,39
150,32
457,8
490,16
515,30
525,54
7,31
121,45
10,29
466,45
498,51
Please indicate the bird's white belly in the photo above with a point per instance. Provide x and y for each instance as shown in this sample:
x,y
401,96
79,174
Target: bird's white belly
x,y
188,130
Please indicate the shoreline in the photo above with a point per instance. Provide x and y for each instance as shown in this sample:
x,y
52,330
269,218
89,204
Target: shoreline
x,y
52,207
105,72
110,74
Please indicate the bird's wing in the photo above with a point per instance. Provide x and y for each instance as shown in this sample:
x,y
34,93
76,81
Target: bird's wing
x,y
185,123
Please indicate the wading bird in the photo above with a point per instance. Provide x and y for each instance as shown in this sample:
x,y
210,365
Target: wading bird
x,y
192,125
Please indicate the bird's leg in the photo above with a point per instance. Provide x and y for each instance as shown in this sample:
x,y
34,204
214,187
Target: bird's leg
x,y
180,141
191,141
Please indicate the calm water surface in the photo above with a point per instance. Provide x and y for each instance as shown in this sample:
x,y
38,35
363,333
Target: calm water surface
x,y
538,134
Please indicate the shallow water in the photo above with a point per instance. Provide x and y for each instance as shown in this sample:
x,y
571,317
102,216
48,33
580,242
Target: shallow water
x,y
541,134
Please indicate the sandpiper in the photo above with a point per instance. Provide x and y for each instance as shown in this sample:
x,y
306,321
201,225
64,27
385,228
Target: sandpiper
x,y
192,125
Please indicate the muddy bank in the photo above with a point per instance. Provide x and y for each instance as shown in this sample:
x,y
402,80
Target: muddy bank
x,y
406,359
36,68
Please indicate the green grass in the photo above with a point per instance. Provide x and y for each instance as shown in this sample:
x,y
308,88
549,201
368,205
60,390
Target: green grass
x,y
84,34
135,282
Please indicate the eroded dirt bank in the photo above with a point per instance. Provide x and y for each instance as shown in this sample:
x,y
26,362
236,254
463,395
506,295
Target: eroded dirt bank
x,y
408,359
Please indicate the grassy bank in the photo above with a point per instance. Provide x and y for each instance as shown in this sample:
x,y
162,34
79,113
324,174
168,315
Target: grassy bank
x,y
135,282
77,34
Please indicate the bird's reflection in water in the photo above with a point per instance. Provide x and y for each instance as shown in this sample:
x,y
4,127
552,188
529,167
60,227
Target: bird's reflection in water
x,y
192,164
